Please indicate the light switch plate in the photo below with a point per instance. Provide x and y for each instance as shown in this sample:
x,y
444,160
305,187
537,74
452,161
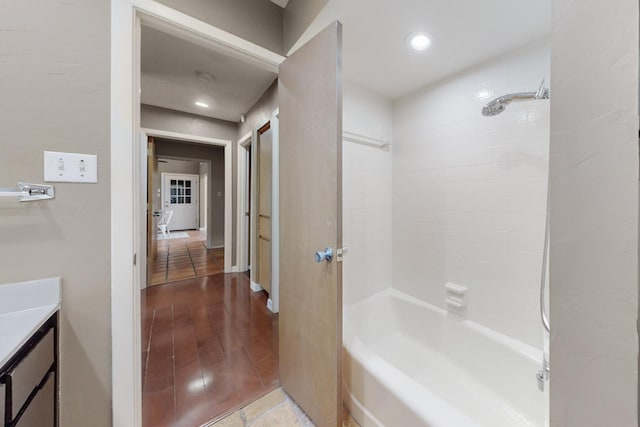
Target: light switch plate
x,y
70,167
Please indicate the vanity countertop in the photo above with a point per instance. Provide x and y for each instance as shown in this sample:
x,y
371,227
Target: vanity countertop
x,y
24,308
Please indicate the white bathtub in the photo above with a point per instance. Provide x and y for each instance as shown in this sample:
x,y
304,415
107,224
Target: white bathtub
x,y
410,364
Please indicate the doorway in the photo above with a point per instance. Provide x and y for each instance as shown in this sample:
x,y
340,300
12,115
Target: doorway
x,y
126,391
224,350
264,191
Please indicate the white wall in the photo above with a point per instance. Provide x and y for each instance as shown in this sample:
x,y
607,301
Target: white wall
x,y
366,196
469,192
594,214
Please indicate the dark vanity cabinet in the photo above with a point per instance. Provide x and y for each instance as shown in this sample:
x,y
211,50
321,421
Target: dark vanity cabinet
x,y
28,381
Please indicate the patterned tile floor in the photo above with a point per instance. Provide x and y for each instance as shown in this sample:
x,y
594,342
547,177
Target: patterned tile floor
x,y
274,409
185,258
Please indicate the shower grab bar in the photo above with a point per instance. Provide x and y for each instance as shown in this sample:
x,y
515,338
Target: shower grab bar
x,y
357,138
29,192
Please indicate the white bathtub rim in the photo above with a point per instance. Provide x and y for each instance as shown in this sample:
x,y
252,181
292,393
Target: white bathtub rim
x,y
529,352
412,394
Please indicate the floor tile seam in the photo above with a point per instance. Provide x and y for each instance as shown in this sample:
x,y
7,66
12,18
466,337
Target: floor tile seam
x,y
191,261
253,364
228,370
226,354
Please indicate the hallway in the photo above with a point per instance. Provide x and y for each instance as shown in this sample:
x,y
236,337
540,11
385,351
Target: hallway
x,y
210,346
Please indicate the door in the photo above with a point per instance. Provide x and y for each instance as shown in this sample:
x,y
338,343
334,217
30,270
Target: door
x,y
310,325
152,237
265,171
180,194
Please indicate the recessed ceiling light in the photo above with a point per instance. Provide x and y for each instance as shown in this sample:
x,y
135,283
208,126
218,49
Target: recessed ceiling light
x,y
419,41
202,104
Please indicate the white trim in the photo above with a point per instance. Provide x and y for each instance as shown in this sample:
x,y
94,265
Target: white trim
x,y
228,204
255,287
253,212
275,214
242,221
124,127
142,255
245,139
270,305
185,137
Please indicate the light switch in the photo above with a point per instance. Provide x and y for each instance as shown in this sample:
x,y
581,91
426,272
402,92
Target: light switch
x,y
70,167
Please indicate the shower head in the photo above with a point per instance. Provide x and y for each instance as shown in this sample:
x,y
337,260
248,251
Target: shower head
x,y
498,105
494,107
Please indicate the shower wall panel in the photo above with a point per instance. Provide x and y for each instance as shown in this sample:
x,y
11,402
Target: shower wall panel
x,y
469,192
366,195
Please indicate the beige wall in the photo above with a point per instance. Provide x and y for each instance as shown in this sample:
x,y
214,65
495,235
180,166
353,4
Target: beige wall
x,y
594,214
191,124
261,112
178,166
298,15
259,21
54,80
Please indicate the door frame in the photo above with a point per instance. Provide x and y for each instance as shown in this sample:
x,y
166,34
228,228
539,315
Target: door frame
x,y
242,221
228,174
126,19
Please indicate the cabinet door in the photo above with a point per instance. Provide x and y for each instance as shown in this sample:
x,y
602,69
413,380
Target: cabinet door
x,y
30,371
41,410
3,401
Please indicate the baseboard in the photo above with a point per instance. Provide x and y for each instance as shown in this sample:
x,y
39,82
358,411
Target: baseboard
x,y
235,269
203,229
270,305
216,247
255,287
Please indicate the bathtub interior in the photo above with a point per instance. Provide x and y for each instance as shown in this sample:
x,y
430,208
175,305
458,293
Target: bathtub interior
x,y
486,376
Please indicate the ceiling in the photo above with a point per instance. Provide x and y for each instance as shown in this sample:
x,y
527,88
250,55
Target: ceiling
x,y
169,78
463,32
375,51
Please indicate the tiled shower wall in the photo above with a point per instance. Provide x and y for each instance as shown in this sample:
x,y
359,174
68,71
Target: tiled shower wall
x,y
469,192
366,196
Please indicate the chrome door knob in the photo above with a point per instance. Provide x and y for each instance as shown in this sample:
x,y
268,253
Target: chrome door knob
x,y
326,255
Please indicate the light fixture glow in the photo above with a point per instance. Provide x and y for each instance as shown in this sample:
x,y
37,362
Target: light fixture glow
x,y
202,104
484,94
419,41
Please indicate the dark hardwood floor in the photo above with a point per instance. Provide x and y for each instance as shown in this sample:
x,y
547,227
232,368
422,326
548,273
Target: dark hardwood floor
x,y
210,346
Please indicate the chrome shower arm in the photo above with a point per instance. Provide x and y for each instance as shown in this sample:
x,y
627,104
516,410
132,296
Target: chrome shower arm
x,y
543,92
498,105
